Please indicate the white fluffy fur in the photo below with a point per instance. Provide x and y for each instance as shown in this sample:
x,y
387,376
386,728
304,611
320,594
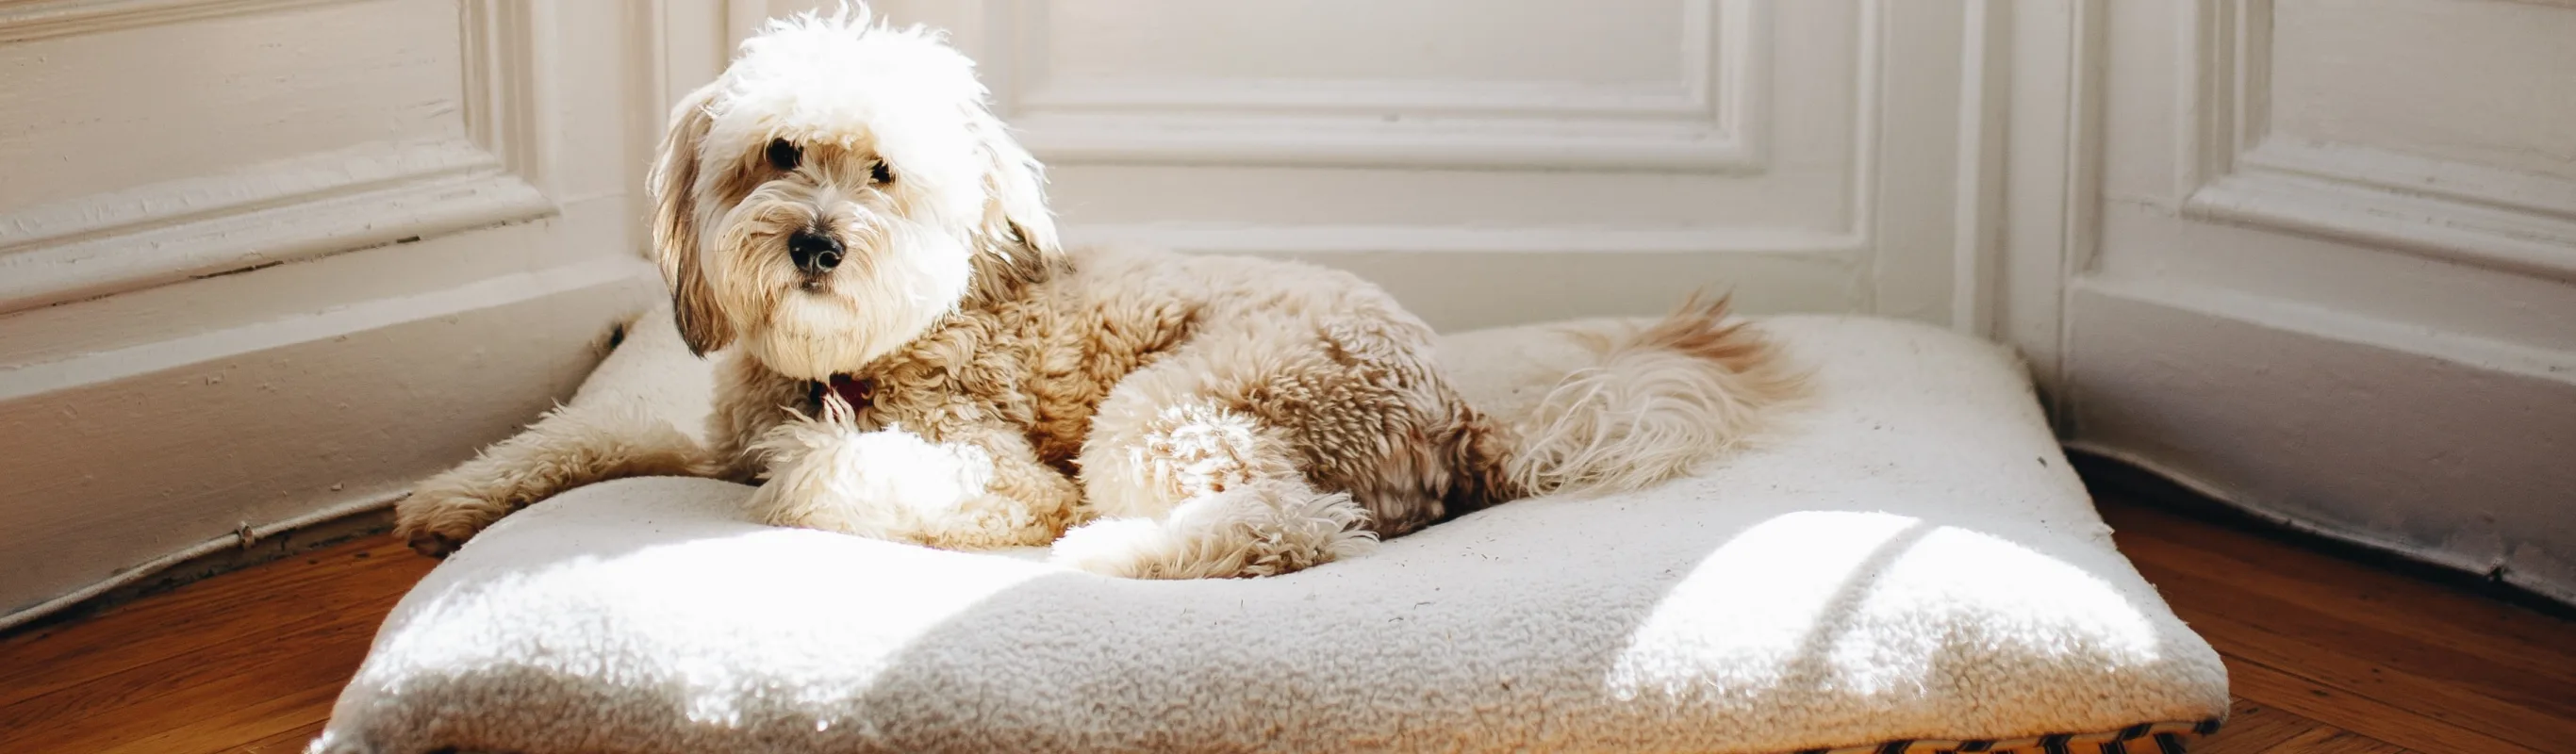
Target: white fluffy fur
x,y
899,98
1643,414
1292,527
887,483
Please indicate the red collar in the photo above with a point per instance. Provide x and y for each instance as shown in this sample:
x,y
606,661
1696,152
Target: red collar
x,y
859,392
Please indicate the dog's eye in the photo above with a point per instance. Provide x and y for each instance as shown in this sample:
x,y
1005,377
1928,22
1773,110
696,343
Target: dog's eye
x,y
783,154
880,172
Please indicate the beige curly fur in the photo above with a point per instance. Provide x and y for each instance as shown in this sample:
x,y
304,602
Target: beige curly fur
x,y
1149,414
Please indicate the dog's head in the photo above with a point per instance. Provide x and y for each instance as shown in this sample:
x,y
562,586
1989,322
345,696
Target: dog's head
x,y
840,188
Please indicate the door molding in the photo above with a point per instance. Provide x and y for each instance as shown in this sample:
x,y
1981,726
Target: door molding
x,y
296,208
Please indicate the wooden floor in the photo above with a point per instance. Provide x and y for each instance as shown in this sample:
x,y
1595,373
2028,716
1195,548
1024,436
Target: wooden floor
x,y
2326,654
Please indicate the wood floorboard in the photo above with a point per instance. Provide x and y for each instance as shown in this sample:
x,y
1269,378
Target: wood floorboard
x,y
2255,728
292,740
2326,654
2399,661
2257,571
2373,662
325,587
2330,741
2368,717
242,660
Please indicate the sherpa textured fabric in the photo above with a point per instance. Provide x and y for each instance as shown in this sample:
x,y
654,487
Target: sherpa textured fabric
x,y
1907,565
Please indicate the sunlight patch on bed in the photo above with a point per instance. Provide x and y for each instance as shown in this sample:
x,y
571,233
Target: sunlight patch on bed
x,y
1871,604
765,662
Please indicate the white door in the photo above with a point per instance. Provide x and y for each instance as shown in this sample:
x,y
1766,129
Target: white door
x,y
263,261
2322,260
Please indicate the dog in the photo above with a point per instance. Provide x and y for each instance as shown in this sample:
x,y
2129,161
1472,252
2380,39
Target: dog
x,y
906,352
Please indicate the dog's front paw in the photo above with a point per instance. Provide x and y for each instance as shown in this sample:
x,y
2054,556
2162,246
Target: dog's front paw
x,y
1109,546
446,510
434,544
886,484
1266,528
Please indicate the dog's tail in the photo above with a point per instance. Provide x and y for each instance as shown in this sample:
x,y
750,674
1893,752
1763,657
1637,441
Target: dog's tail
x,y
1653,404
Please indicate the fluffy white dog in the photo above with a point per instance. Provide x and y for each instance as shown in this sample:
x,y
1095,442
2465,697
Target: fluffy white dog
x,y
908,354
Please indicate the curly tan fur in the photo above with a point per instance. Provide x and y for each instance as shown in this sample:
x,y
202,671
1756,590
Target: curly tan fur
x,y
1153,415
568,447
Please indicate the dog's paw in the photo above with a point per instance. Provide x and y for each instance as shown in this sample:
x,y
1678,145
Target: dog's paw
x,y
1109,546
885,484
443,512
433,544
1267,528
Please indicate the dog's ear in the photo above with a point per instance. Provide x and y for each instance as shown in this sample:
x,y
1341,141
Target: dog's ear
x,y
674,182
1015,211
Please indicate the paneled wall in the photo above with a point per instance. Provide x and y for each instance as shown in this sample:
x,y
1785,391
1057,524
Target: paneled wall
x,y
2318,258
1496,161
266,260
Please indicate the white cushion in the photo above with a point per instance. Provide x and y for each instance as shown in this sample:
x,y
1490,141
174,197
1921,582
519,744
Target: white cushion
x,y
1908,559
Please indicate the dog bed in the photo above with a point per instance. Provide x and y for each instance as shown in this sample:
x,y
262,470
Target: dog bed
x,y
1905,564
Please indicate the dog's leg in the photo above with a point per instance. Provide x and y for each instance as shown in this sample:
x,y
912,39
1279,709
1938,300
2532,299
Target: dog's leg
x,y
1273,444
568,448
1187,488
956,487
750,404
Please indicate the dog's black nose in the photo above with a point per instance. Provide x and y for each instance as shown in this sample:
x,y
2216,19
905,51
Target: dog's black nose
x,y
814,251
